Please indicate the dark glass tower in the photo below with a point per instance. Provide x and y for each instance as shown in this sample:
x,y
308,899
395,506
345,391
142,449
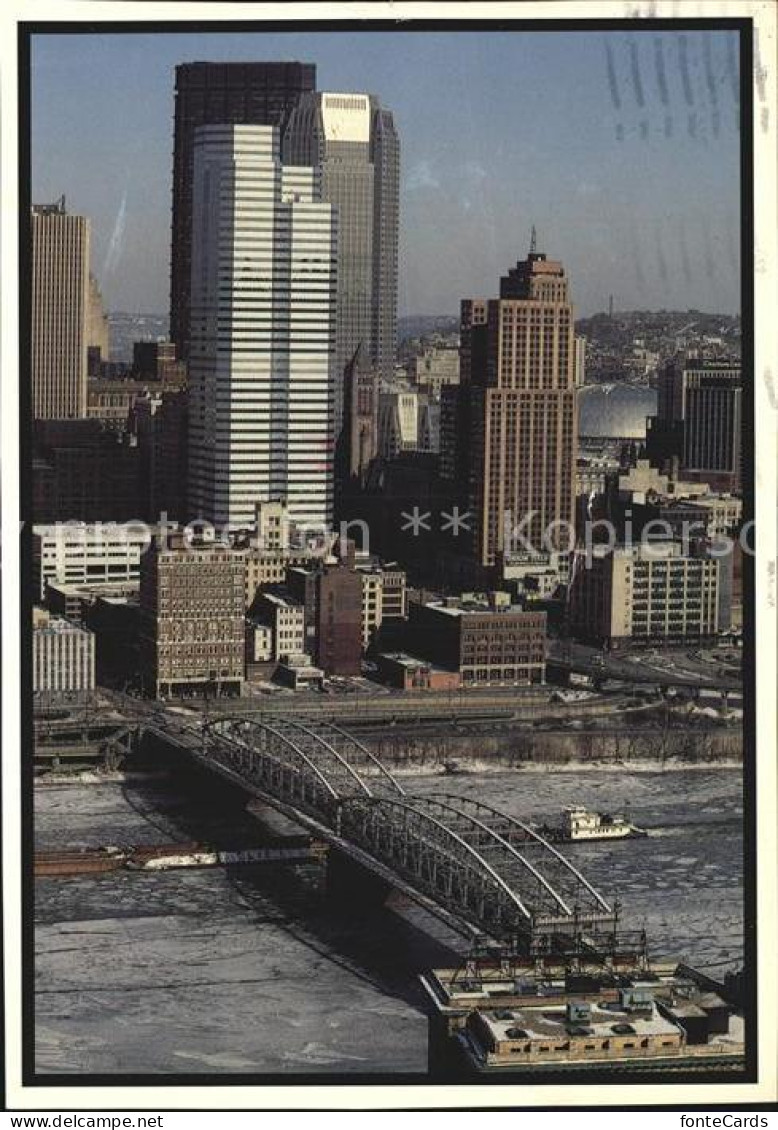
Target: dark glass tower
x,y
216,94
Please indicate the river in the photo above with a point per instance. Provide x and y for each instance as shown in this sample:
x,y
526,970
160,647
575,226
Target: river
x,y
251,970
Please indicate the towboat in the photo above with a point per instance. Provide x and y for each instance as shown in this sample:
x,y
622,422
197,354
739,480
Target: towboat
x,y
580,824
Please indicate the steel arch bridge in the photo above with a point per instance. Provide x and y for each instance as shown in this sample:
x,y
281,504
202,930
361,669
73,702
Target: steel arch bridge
x,y
485,873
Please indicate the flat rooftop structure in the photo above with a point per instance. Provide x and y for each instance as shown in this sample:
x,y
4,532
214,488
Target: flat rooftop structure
x,y
412,662
550,1022
503,1017
281,600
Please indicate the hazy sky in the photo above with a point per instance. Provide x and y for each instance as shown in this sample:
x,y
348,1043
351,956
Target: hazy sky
x,y
622,148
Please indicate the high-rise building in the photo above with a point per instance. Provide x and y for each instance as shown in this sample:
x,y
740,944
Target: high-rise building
x,y
192,618
355,143
261,366
98,329
518,406
218,94
698,422
60,305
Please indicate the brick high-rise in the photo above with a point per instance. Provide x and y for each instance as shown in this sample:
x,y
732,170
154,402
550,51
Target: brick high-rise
x,y
60,303
518,408
218,94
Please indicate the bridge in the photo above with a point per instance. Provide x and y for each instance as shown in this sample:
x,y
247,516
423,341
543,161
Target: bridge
x,y
487,875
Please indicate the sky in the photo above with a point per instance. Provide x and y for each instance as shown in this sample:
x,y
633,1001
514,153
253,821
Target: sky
x,y
622,148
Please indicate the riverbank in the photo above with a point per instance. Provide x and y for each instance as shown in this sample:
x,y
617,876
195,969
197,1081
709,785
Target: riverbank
x,y
650,751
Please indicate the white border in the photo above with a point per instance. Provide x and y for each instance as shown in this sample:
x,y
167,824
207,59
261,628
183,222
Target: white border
x,y
356,1096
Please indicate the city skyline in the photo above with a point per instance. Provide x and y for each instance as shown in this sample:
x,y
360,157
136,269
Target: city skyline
x,y
632,177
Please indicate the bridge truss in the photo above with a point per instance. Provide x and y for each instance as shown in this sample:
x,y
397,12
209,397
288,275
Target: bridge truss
x,y
485,871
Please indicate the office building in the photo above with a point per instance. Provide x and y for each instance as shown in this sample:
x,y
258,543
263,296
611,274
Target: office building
x,y
60,309
433,368
398,422
332,597
277,610
98,330
518,403
261,366
155,361
97,554
354,142
63,659
384,597
698,422
339,623
112,400
647,592
489,641
159,420
218,94
192,619
84,470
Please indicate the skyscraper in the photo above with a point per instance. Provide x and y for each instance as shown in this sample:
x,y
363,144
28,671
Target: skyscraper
x,y
60,312
698,422
355,143
214,94
519,410
261,365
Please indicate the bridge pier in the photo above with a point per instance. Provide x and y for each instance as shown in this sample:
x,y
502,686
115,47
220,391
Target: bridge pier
x,y
351,885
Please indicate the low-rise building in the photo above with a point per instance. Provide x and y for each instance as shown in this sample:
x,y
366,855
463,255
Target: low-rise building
x,y
299,673
332,594
486,639
80,553
63,659
500,1018
409,673
277,609
650,591
384,597
534,575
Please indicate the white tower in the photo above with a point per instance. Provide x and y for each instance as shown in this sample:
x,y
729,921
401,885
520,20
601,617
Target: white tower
x,y
263,309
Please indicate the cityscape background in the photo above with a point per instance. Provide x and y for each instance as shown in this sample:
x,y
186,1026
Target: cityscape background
x,y
622,148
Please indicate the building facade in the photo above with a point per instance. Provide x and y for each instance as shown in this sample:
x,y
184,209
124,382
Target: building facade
x,y
218,94
339,624
652,591
192,619
518,422
433,368
60,308
354,142
699,422
261,366
489,642
86,471
286,619
358,443
78,553
398,423
63,659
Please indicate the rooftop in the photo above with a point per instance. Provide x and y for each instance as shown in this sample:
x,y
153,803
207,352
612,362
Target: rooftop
x,y
552,1023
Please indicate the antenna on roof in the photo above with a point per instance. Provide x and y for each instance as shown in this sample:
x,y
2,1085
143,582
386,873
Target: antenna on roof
x,y
533,242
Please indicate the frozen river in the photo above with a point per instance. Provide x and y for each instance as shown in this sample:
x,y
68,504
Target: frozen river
x,y
250,970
